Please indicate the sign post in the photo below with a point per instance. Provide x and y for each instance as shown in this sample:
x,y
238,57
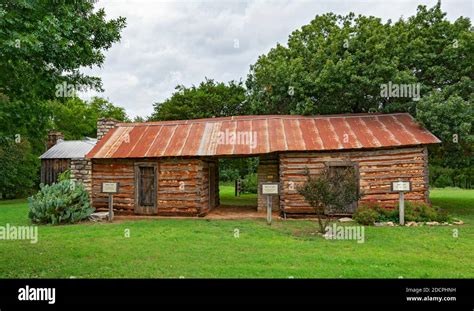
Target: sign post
x,y
401,187
270,189
110,188
269,209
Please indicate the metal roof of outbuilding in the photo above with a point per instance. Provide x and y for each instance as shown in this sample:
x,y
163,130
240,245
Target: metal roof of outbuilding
x,y
274,133
69,149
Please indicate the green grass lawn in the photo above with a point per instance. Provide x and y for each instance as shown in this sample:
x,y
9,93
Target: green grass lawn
x,y
227,196
201,248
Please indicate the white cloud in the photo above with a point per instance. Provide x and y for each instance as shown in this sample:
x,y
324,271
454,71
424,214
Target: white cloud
x,y
167,43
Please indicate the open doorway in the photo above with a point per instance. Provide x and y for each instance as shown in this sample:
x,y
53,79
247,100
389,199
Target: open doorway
x,y
244,171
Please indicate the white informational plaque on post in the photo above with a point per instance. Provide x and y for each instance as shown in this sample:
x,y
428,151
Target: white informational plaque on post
x,y
110,187
401,186
270,188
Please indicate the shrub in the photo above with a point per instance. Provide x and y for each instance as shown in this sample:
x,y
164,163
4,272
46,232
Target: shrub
x,y
332,191
63,202
387,214
422,212
66,175
437,214
365,215
443,181
249,184
418,212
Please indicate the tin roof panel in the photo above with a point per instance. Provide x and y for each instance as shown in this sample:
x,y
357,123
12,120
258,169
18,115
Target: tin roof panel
x,y
253,135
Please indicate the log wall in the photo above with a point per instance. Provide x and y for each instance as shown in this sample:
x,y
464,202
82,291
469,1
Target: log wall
x,y
116,170
51,168
377,169
209,176
267,171
182,185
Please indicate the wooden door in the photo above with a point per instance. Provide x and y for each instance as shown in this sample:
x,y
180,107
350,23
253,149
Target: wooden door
x,y
145,188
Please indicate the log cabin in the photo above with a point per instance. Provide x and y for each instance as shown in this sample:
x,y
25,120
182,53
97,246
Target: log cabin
x,y
171,167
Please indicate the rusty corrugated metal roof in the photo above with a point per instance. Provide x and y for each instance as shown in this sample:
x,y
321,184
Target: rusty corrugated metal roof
x,y
252,135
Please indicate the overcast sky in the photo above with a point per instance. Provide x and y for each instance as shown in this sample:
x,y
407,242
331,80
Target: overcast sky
x,y
167,43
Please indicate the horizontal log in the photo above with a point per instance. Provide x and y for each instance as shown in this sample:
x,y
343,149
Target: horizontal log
x,y
360,160
105,178
116,200
179,199
388,176
418,169
363,153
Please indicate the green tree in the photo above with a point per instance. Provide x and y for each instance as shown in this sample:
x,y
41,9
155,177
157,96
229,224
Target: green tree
x,y
339,64
209,99
437,52
27,120
335,64
138,119
18,167
105,109
450,118
45,43
43,46
77,118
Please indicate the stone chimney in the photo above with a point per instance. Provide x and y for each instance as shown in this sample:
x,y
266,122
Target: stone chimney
x,y
53,138
104,125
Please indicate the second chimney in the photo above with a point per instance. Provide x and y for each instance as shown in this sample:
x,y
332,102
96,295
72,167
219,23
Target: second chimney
x,y
104,125
53,138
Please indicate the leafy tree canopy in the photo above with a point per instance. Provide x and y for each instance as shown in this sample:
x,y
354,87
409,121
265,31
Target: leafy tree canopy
x,y
45,43
209,99
337,64
77,119
43,46
341,64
